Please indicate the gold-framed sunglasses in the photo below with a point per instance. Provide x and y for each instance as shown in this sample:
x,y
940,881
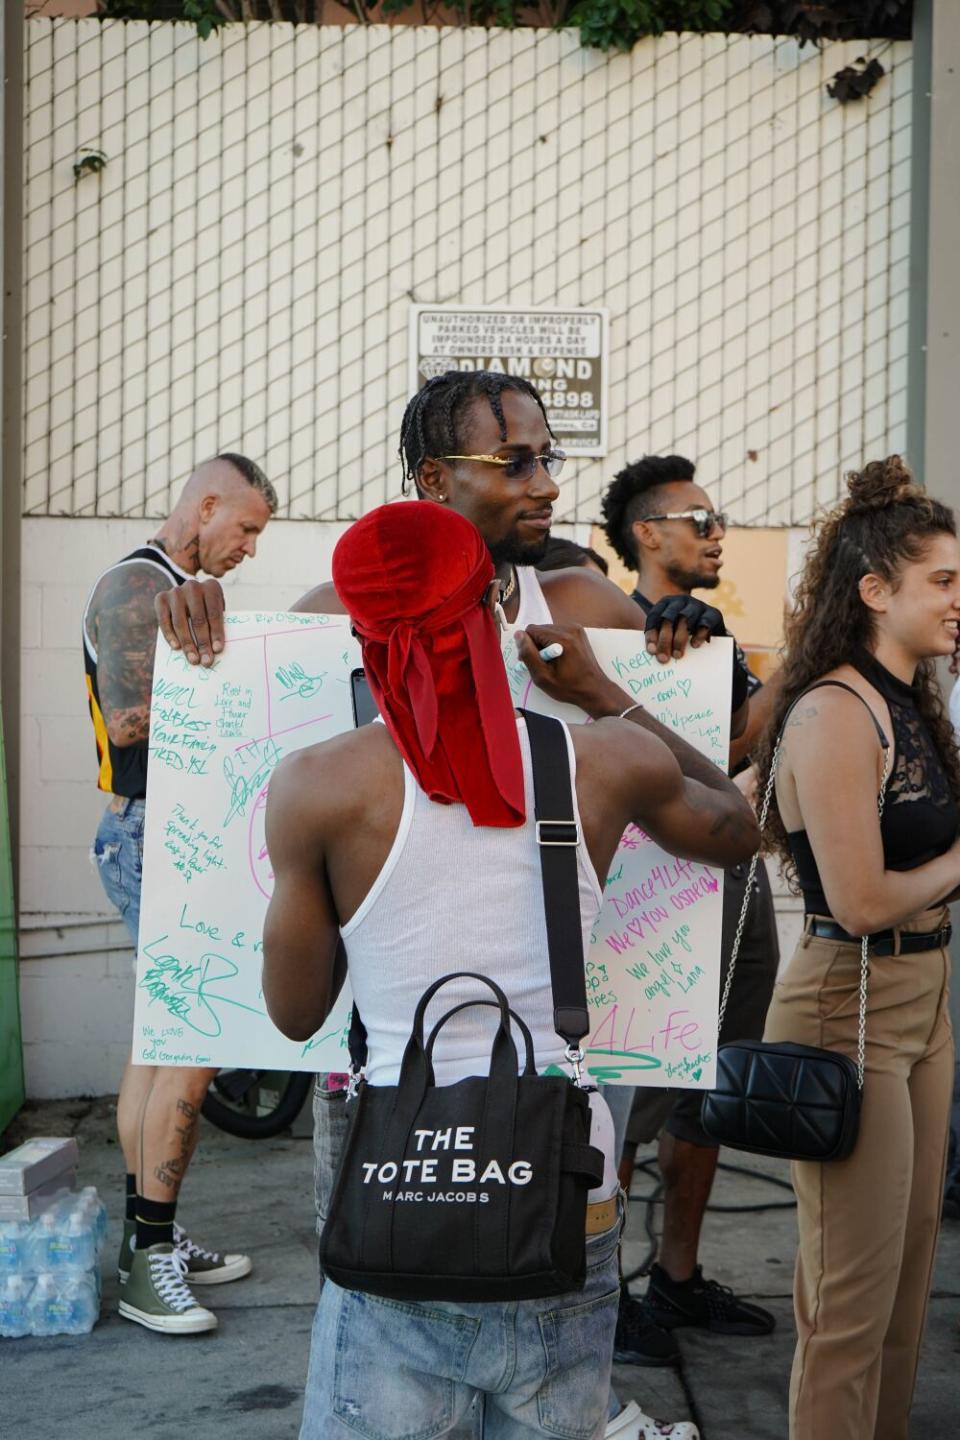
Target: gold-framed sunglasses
x,y
519,467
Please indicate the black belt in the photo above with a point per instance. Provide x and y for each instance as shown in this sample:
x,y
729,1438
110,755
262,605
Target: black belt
x,y
883,942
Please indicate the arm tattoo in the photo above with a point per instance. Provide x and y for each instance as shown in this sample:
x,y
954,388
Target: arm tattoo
x,y
123,629
802,714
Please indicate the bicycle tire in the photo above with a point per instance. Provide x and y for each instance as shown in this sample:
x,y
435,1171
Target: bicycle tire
x,y
249,1121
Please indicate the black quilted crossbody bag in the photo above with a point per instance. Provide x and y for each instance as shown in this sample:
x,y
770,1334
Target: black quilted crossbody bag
x,y
794,1102
478,1190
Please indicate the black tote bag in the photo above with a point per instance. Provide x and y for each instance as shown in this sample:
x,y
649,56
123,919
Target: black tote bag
x,y
470,1191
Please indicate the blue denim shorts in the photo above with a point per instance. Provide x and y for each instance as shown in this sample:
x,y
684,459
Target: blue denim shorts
x,y
411,1370
118,855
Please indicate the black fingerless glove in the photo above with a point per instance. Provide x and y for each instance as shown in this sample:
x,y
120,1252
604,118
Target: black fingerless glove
x,y
698,616
684,607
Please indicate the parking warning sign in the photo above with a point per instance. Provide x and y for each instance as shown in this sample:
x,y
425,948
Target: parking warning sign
x,y
562,352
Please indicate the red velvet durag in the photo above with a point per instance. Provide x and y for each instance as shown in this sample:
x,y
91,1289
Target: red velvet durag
x,y
413,578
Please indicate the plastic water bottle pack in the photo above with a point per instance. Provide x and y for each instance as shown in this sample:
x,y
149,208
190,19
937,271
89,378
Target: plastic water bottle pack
x,y
50,1268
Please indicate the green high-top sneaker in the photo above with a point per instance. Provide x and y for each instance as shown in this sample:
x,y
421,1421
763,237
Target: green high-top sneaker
x,y
156,1295
207,1267
204,1267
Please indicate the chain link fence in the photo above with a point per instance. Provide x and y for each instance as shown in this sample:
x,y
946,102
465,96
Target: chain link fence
x,y
223,240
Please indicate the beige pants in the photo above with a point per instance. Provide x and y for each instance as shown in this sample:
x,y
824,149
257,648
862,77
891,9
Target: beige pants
x,y
868,1224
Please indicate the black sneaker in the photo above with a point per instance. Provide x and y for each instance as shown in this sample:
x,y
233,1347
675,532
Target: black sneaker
x,y
640,1340
705,1303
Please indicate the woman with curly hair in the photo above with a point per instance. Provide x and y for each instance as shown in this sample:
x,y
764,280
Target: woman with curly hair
x,y
860,714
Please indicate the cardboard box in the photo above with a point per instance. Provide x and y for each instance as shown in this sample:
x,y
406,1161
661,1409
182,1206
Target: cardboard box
x,y
28,1207
35,1163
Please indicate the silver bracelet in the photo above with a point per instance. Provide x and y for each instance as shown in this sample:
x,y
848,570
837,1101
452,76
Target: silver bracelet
x,y
629,711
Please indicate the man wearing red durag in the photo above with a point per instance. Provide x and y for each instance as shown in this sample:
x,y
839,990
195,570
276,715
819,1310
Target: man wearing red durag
x,y
479,444
411,846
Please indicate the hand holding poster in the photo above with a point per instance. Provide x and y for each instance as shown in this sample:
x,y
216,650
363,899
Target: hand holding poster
x,y
284,682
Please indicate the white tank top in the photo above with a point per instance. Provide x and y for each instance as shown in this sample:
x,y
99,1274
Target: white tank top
x,y
454,896
534,609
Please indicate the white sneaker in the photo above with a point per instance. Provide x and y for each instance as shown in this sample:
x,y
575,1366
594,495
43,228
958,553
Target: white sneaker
x,y
632,1424
208,1267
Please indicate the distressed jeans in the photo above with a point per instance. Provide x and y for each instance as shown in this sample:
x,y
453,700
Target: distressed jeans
x,y
412,1370
330,1125
118,855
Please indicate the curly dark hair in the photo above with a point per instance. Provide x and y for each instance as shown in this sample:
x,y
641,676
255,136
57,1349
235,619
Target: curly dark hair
x,y
631,496
885,523
431,419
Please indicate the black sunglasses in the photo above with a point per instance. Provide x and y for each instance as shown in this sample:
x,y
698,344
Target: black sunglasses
x,y
703,521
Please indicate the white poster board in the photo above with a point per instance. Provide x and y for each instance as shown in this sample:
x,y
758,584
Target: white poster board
x,y
653,967
284,682
215,737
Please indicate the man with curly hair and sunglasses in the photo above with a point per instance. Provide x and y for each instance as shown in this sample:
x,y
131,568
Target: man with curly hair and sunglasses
x,y
663,526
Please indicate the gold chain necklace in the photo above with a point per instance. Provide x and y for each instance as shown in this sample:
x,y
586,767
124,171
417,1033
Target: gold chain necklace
x,y
507,590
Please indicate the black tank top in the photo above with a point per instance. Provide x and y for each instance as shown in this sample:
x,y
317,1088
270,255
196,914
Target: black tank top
x,y
920,812
121,769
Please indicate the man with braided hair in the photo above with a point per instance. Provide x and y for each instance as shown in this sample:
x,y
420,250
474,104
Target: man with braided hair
x,y
663,526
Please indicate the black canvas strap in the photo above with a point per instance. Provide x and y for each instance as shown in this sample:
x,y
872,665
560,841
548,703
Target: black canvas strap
x,y
558,836
357,1041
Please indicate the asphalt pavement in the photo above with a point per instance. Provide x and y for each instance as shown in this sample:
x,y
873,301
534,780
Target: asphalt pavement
x,y
245,1382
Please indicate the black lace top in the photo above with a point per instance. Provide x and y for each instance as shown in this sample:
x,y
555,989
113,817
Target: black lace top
x,y
920,813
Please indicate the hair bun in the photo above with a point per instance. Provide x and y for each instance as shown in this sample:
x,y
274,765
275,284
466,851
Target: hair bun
x,y
879,484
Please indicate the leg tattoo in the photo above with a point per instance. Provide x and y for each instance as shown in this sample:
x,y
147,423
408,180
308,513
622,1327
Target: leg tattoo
x,y
170,1172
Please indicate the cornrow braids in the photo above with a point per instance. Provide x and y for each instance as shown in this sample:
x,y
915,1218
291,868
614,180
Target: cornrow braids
x,y
431,419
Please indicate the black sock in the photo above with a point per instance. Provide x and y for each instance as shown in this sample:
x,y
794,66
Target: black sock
x,y
690,1281
131,1211
154,1222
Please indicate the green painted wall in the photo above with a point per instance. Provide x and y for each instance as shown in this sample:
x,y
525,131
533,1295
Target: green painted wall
x,y
11,1053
